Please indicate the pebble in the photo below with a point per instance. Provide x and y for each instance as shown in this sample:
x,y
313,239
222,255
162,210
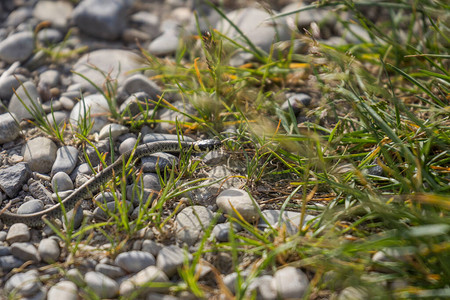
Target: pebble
x,y
221,231
74,216
172,115
49,36
111,208
102,285
170,258
63,290
25,284
49,77
141,280
40,153
67,103
94,108
61,182
239,200
113,131
109,270
290,282
165,44
57,119
106,197
49,250
75,276
25,252
191,221
140,83
31,100
18,16
9,130
151,246
17,233
13,178
9,83
17,47
31,206
4,250
9,262
127,145
151,181
57,12
290,218
134,261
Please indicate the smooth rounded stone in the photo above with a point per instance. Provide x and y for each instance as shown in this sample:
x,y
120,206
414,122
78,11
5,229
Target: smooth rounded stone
x,y
127,145
102,147
9,262
156,137
49,77
58,118
141,282
25,252
28,93
101,214
106,197
170,258
147,21
157,162
9,130
375,171
17,47
141,83
57,12
94,107
117,63
264,289
18,16
109,270
9,83
13,178
74,216
4,250
151,181
30,207
134,261
296,102
165,44
24,284
40,153
49,250
168,114
61,182
191,222
353,293
17,233
151,246
289,218
49,36
230,280
290,282
67,103
136,103
113,131
221,231
102,285
63,290
105,19
75,276
239,200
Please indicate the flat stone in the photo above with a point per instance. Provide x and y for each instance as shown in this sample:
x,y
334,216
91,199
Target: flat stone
x,y
25,284
39,191
191,222
30,207
29,95
101,214
142,280
17,47
102,285
18,16
49,250
170,258
57,12
40,153
109,270
239,200
63,290
17,233
134,261
9,130
290,282
136,103
13,178
25,252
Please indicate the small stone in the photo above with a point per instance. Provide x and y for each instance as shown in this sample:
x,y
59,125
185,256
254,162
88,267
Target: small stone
x,y
135,103
67,103
9,262
28,94
57,12
30,207
74,217
221,231
24,284
49,78
8,84
140,83
13,178
165,44
4,250
102,285
112,130
25,252
61,182
151,246
93,108
151,181
111,207
239,200
191,222
9,130
49,250
127,145
290,282
40,153
142,280
39,191
17,47
170,259
109,270
134,261
75,276
49,36
63,290
17,233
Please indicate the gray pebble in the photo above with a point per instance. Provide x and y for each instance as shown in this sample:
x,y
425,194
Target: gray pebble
x,y
134,261
165,44
17,233
102,285
151,181
191,221
25,252
239,200
61,182
17,47
18,16
63,290
75,276
49,77
290,282
170,259
39,191
10,83
58,118
25,284
127,145
9,262
135,103
101,214
40,153
151,246
94,107
353,293
109,270
49,36
13,178
296,102
4,250
141,280
113,129
221,231
49,250
106,197
67,103
140,83
57,12
30,207
29,95
74,216
9,130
